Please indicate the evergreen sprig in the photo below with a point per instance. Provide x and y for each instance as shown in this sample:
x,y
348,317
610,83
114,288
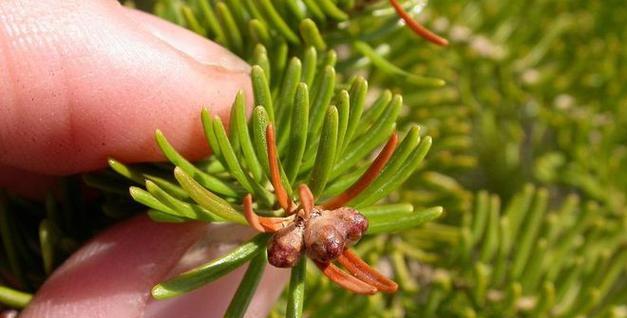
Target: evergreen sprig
x,y
334,135
524,259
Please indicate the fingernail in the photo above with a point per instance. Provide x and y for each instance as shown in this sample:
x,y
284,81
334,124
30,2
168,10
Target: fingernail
x,y
193,45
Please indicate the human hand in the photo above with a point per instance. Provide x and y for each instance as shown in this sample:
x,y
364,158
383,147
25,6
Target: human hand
x,y
84,80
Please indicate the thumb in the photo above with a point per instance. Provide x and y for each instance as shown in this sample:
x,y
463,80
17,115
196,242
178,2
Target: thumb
x,y
84,80
112,275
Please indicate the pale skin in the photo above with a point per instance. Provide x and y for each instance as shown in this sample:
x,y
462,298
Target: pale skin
x,y
84,80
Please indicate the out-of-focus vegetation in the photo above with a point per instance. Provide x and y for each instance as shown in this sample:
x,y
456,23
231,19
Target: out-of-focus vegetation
x,y
534,95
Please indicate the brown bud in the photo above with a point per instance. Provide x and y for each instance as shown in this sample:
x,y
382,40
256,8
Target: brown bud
x,y
354,222
324,242
328,233
286,246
